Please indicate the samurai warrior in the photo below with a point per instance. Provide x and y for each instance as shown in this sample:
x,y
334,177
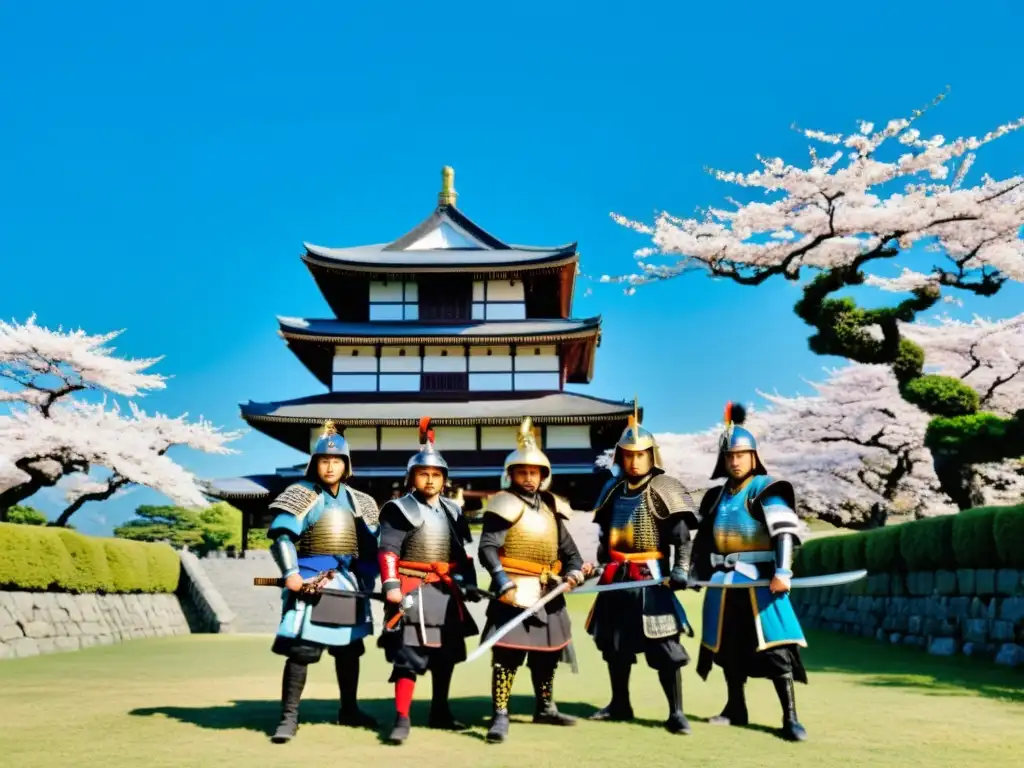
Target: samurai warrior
x,y
527,549
426,576
645,517
324,528
749,531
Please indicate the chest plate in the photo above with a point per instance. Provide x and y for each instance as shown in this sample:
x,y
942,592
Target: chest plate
x,y
735,528
633,527
432,541
534,537
333,533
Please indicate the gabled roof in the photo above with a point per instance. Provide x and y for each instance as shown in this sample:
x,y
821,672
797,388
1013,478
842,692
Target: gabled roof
x,y
445,239
407,332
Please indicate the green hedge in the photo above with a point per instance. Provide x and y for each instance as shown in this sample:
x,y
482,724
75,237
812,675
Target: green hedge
x,y
34,558
986,537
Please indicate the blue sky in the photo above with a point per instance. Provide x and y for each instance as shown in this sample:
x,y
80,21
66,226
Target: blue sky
x,y
163,165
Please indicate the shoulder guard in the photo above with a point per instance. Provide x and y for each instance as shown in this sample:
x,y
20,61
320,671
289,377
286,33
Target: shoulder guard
x,y
559,505
505,505
297,499
408,508
365,506
606,491
454,510
781,489
777,502
670,498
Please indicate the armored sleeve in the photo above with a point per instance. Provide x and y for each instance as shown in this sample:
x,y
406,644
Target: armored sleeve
x,y
778,502
394,527
678,535
569,553
284,554
492,539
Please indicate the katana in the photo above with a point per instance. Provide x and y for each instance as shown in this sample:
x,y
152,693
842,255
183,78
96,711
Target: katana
x,y
619,586
805,582
485,646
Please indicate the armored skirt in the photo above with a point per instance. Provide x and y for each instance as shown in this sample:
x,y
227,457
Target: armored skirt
x,y
327,620
750,633
631,622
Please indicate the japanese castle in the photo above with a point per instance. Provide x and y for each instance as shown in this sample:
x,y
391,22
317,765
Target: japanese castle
x,y
449,322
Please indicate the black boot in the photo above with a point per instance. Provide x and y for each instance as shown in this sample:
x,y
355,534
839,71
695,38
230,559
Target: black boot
x,y
440,714
791,728
292,682
502,678
400,730
735,712
346,666
672,685
620,708
545,712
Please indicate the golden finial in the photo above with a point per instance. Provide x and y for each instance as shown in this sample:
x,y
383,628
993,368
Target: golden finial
x,y
634,420
329,428
447,194
525,437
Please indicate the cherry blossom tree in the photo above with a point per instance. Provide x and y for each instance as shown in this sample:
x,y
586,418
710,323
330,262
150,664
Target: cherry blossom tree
x,y
853,449
861,206
51,435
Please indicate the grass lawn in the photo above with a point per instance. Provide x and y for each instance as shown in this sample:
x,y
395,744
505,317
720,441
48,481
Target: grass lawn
x,y
211,700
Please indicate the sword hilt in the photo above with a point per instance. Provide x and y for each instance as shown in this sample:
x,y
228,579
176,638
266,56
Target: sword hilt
x,y
267,581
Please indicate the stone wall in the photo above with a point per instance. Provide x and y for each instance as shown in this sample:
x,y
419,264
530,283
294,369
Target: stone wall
x,y
976,613
32,623
206,609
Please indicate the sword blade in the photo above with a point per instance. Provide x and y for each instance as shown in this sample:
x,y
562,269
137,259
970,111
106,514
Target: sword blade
x,y
805,582
617,586
509,626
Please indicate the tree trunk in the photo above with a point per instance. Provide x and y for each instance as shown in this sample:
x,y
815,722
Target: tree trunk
x,y
18,493
953,479
115,483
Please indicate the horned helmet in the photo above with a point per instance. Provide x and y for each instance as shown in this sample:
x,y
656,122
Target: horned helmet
x,y
736,438
330,443
528,453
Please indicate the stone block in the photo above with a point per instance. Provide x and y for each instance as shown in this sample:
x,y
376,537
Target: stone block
x,y
38,629
10,632
977,609
911,640
1012,609
46,644
1011,655
91,628
104,639
1002,632
992,608
895,638
976,630
67,643
881,636
878,584
69,604
943,646
1007,581
915,625
945,582
23,605
959,607
965,581
985,582
24,646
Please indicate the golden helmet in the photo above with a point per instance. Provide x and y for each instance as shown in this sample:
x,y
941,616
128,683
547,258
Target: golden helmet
x,y
527,454
636,438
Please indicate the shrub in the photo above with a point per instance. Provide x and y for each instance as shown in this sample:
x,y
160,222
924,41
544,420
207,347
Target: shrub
x,y
88,571
941,396
927,545
832,553
37,558
1008,532
853,551
882,550
974,537
807,561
